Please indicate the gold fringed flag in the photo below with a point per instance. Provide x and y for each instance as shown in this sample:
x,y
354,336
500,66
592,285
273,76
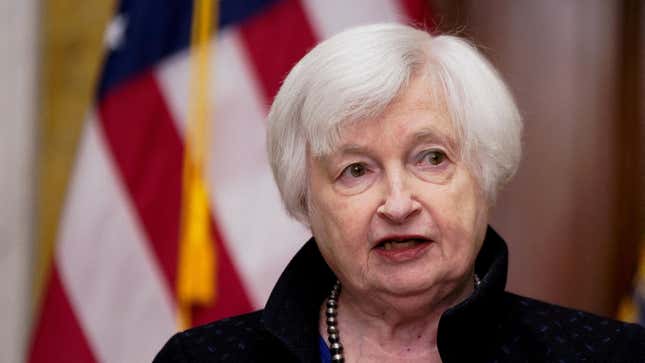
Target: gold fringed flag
x,y
197,256
632,308
133,255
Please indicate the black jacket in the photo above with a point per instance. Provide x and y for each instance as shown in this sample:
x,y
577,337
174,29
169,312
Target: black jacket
x,y
490,326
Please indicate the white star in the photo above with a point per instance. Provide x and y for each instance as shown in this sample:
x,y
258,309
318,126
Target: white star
x,y
115,32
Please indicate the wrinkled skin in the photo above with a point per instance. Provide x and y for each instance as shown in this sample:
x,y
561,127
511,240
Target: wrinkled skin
x,y
398,176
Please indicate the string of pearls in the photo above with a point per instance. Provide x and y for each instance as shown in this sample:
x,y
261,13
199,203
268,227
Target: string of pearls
x,y
335,347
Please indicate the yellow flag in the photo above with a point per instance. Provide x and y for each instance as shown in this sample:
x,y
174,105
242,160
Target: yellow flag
x,y
197,256
631,306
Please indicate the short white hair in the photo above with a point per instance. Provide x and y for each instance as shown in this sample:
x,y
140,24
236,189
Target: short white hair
x,y
357,73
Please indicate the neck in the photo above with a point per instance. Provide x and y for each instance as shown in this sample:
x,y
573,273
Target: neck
x,y
376,328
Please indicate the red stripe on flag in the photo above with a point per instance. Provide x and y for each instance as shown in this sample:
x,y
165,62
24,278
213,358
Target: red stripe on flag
x,y
419,13
58,336
148,154
148,151
275,41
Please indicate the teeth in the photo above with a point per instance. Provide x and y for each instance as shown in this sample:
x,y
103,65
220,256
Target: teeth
x,y
399,244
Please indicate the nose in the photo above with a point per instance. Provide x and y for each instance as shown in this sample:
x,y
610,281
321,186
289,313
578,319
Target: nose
x,y
399,204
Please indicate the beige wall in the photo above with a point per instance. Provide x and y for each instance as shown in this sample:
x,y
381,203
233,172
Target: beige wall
x,y
18,62
560,59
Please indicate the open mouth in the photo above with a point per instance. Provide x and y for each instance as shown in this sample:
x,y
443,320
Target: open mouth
x,y
399,244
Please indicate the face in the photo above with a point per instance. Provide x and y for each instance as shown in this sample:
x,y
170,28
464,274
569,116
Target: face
x,y
394,210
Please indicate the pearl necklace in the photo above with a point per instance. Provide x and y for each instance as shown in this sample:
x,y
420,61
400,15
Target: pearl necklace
x,y
335,347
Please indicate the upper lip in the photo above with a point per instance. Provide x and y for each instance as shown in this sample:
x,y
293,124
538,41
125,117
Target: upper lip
x,y
400,237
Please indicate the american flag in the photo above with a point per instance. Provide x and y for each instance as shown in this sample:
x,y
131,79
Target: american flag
x,y
111,292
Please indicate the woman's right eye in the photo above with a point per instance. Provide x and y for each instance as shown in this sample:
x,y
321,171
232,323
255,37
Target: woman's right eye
x,y
355,170
356,177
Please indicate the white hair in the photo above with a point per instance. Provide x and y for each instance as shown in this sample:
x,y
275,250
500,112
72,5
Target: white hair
x,y
356,74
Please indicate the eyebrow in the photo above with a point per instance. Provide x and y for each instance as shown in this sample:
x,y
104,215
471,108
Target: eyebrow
x,y
427,134
431,134
352,149
344,150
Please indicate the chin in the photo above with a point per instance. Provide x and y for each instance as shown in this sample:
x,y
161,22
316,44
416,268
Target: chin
x,y
423,281
407,285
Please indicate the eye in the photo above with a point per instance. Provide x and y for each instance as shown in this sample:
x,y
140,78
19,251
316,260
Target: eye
x,y
432,157
355,170
355,178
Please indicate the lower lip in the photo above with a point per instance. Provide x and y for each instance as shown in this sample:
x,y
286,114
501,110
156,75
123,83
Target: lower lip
x,y
403,254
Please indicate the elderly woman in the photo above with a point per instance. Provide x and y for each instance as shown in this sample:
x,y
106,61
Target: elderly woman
x,y
391,145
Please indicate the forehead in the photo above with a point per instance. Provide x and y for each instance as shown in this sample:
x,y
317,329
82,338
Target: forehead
x,y
419,113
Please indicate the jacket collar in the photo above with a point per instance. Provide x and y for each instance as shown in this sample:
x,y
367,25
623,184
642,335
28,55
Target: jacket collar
x,y
466,331
291,313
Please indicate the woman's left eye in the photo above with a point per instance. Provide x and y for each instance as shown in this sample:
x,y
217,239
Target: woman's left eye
x,y
432,157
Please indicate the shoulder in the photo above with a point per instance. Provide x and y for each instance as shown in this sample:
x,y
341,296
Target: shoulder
x,y
239,338
562,332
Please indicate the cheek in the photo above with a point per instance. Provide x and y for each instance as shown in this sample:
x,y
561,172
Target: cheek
x,y
340,233
462,216
334,219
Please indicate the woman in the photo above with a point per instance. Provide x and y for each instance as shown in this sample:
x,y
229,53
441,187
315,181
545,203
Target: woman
x,y
391,145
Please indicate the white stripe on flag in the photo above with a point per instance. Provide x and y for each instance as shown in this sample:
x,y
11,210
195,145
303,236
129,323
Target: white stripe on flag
x,y
108,270
259,236
331,16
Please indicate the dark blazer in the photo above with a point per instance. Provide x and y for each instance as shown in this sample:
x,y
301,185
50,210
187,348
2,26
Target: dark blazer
x,y
490,326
